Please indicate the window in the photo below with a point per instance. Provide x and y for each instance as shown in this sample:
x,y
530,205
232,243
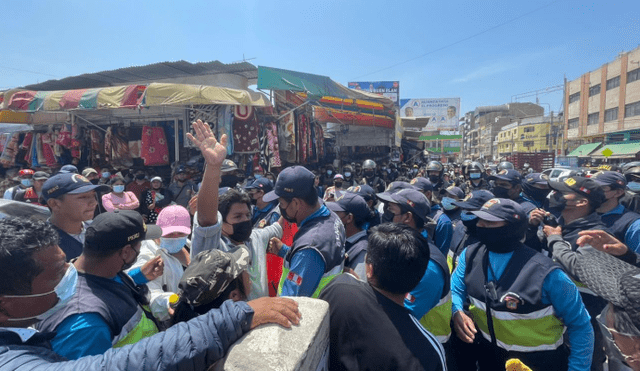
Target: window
x,y
633,75
573,123
574,97
611,114
594,90
632,109
530,129
528,143
613,83
593,118
521,136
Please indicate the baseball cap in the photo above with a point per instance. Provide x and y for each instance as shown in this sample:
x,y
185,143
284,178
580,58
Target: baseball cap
x,y
365,191
422,184
502,209
535,178
69,183
509,175
174,218
26,173
350,203
114,230
228,165
455,191
613,280
474,200
612,179
338,176
40,175
394,187
69,169
159,179
262,184
411,199
88,171
586,187
294,181
180,169
210,273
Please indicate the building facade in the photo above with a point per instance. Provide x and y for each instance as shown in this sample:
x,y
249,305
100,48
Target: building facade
x,y
533,134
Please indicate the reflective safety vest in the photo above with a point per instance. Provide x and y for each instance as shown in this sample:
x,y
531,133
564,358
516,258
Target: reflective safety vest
x,y
521,322
324,281
438,320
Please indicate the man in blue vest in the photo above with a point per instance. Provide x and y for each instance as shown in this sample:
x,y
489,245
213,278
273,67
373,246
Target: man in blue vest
x,y
264,213
521,301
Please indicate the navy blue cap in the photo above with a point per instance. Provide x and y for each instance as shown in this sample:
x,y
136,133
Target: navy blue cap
x,y
411,199
69,169
114,230
263,184
474,200
422,184
69,183
294,181
394,187
502,209
365,191
455,192
535,178
350,203
585,187
612,179
509,175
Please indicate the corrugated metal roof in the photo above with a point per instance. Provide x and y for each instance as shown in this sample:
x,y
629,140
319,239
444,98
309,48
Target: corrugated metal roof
x,y
151,72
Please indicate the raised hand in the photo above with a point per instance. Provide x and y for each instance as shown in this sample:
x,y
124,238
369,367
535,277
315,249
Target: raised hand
x,y
214,152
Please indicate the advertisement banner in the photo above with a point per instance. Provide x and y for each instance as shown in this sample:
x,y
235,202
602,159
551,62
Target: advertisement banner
x,y
443,112
389,89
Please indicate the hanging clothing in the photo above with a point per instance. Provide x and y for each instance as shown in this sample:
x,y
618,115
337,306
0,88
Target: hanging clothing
x,y
47,149
155,151
245,130
39,150
273,148
225,126
10,150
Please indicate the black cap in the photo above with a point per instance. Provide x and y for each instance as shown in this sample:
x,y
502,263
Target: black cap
x,y
350,203
612,179
502,209
411,199
113,230
422,184
365,191
294,181
583,186
40,175
262,184
509,175
535,178
455,191
69,183
394,187
228,166
474,200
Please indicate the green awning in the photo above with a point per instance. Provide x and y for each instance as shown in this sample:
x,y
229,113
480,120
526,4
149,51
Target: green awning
x,y
584,150
618,150
314,85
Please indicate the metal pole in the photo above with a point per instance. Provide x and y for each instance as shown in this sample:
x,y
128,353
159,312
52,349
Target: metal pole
x,y
176,139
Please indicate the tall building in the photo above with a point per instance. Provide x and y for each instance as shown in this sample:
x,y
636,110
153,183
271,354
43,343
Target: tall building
x,y
534,134
603,107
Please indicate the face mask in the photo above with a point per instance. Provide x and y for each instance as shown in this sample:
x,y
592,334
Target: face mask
x,y
467,216
65,289
447,203
387,216
258,176
329,172
634,186
338,184
368,174
434,179
129,265
475,175
140,176
229,181
347,174
557,202
285,216
254,202
106,174
26,182
94,181
241,231
500,192
118,188
499,240
173,245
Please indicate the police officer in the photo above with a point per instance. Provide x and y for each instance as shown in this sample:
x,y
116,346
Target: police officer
x,y
505,165
508,184
476,177
264,213
535,189
435,172
621,222
369,196
441,235
349,180
506,283
451,195
317,253
370,178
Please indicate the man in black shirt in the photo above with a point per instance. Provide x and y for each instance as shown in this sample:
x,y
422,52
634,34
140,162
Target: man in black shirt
x,y
370,329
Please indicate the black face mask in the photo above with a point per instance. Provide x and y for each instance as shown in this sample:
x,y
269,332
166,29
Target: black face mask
x,y
126,265
368,174
434,179
557,202
538,194
338,184
229,181
500,192
499,240
94,181
254,201
140,176
387,216
285,216
241,231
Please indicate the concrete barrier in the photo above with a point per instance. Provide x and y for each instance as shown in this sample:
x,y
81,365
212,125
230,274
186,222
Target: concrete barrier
x,y
272,347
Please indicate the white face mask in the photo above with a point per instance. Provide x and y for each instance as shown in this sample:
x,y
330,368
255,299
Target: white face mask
x,y
173,245
118,188
65,289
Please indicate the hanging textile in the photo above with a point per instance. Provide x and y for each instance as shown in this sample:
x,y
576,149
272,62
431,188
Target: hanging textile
x,y
263,160
225,126
313,144
26,145
302,142
134,148
39,150
76,134
120,150
47,149
3,140
10,150
320,139
245,130
34,152
288,130
154,149
272,150
107,145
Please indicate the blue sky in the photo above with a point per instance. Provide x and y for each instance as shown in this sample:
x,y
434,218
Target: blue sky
x,y
346,40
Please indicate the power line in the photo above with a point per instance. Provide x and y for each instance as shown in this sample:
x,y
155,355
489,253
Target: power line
x,y
27,71
461,40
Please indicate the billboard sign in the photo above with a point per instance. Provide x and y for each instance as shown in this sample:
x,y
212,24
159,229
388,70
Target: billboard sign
x,y
389,89
444,112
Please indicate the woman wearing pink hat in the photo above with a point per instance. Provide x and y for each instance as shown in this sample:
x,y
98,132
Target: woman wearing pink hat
x,y
176,227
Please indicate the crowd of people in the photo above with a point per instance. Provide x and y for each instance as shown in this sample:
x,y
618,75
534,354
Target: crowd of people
x,y
425,266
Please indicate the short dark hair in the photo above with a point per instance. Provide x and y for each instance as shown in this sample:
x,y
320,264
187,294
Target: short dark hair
x,y
230,197
399,256
116,179
20,238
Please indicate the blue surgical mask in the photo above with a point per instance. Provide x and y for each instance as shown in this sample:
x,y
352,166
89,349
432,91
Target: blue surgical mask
x,y
329,172
118,188
106,174
26,182
258,176
65,289
347,174
634,186
447,203
475,175
173,245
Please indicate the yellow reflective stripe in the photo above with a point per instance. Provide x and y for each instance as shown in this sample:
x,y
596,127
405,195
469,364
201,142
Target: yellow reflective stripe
x,y
136,329
324,281
438,320
521,332
450,261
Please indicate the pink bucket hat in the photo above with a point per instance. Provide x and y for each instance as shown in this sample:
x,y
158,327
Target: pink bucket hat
x,y
174,218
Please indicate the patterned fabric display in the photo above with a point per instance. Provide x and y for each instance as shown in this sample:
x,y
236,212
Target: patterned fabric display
x,y
154,147
273,151
245,130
